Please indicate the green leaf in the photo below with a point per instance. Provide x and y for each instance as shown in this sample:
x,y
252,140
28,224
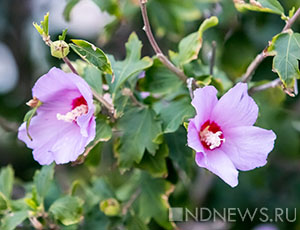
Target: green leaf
x,y
68,9
92,55
180,153
111,6
12,220
175,113
43,179
132,65
286,49
153,200
103,130
102,189
6,181
156,165
135,223
140,130
68,210
269,6
160,80
62,37
190,46
3,202
93,77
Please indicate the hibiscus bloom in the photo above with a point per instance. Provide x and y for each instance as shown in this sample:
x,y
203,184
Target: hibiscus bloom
x,y
65,122
223,135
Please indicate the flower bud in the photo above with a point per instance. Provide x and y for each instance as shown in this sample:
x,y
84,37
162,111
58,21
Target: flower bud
x,y
59,49
110,207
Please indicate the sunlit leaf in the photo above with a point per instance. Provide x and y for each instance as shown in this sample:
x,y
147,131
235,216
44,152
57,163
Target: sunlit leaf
x,y
92,54
286,49
190,46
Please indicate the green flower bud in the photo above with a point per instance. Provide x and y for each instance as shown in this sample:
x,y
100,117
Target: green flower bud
x,y
59,49
110,207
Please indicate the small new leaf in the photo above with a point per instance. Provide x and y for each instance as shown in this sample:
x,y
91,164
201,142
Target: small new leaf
x,y
286,49
92,55
62,37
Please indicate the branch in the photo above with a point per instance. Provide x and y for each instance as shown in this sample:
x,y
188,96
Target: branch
x,y
8,126
159,53
260,57
134,196
268,85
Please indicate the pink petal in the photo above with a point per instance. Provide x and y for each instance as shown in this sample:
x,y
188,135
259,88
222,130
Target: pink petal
x,y
193,137
219,163
235,108
204,101
248,147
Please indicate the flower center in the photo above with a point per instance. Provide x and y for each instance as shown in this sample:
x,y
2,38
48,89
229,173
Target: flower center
x,y
79,107
211,135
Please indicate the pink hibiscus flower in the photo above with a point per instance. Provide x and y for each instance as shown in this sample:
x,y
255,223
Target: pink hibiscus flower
x,y
65,122
223,135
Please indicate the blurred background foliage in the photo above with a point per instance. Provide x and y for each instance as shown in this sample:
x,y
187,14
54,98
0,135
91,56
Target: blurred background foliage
x,y
239,37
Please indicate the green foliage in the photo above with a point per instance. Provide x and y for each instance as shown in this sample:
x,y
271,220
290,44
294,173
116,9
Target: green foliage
x,y
68,8
43,179
156,165
12,220
160,80
92,55
131,66
93,77
175,113
153,200
190,46
68,210
286,49
43,28
134,142
270,6
6,181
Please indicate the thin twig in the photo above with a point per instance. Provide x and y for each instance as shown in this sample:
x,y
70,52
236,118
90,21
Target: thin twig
x,y
8,126
131,201
159,53
212,58
260,57
68,62
268,85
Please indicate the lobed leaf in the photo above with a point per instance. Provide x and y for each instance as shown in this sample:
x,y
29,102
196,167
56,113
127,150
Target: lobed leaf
x,y
131,66
134,141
